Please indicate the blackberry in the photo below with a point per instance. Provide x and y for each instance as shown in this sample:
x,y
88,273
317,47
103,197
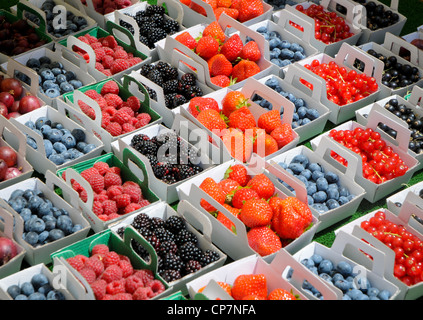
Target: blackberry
x,y
152,94
161,170
141,14
184,236
169,179
171,26
168,71
156,223
170,275
172,261
209,257
169,100
140,250
152,159
120,231
170,86
127,25
166,247
147,28
179,100
192,266
189,79
189,251
154,241
140,221
184,171
164,235
146,147
144,40
158,20
154,9
174,224
139,138
156,34
192,92
155,76
146,68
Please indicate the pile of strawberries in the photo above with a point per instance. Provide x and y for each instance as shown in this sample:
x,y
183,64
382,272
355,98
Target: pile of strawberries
x,y
241,10
234,122
229,59
111,58
271,221
112,196
253,287
111,276
108,6
118,116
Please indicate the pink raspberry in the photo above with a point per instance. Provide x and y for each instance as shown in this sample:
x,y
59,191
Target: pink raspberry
x,y
114,128
115,287
102,167
122,296
99,289
100,249
95,264
145,275
112,179
76,263
132,207
88,274
142,293
112,273
132,283
157,287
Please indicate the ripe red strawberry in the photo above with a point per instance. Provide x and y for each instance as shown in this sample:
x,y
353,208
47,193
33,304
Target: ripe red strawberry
x,y
250,9
245,69
250,51
211,119
210,186
233,13
229,185
221,81
239,173
249,284
119,65
263,240
241,195
232,101
283,135
187,39
215,30
240,146
198,104
232,47
292,218
110,87
270,144
207,47
262,185
225,220
270,120
201,10
256,213
242,119
281,294
219,65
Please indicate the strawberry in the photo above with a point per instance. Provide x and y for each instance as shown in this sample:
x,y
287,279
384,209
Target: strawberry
x,y
225,286
201,10
242,119
224,3
250,51
221,81
241,195
263,240
239,145
270,145
281,294
215,30
186,2
283,135
210,186
233,13
274,204
198,104
232,47
186,39
292,218
232,101
225,220
245,69
256,213
219,65
250,9
269,120
262,185
211,119
249,284
239,173
229,186
207,47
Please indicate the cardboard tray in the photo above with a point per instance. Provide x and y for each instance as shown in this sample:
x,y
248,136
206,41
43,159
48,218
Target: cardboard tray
x,y
375,192
115,243
346,57
129,87
322,156
41,254
132,169
163,210
418,34
412,207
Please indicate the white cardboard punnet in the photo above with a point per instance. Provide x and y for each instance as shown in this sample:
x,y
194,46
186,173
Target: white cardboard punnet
x,y
395,201
417,35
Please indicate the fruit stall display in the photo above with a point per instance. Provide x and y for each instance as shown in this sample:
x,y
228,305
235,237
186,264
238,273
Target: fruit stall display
x,y
210,150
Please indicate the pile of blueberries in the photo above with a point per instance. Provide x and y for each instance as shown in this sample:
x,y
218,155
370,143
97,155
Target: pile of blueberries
x,y
54,80
73,23
282,52
280,4
303,114
353,283
61,144
324,190
38,288
43,221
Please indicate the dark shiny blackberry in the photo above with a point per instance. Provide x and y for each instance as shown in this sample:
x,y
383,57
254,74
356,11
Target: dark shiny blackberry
x,y
174,224
164,235
154,9
192,92
161,170
140,221
189,79
166,247
139,138
158,20
184,236
209,257
156,34
157,222
179,100
173,262
155,76
190,251
170,275
169,98
170,86
146,68
192,266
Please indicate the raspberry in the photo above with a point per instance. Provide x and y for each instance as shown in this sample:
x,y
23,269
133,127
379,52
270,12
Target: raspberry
x,y
111,258
99,66
100,249
132,207
107,297
105,119
121,296
92,94
110,87
132,283
115,170
121,117
76,263
142,293
112,216
96,182
133,189
107,72
114,128
119,65
85,108
112,273
102,103
113,100
114,191
88,274
115,287
88,172
84,39
82,257
143,120
127,127
91,39
123,200
97,208
99,288
111,111
109,207
101,197
99,54
102,167
145,275
133,103
133,61
144,203
112,179
96,45
110,42
127,269
95,264
109,51
127,110
120,54
83,195
157,287
107,61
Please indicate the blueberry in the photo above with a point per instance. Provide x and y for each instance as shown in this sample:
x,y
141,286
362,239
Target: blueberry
x,y
317,258
65,224
27,288
48,146
76,228
30,124
262,29
325,277
354,294
363,297
16,194
320,207
332,204
384,295
320,196
309,263
70,75
274,54
89,147
57,159
344,268
45,130
343,192
47,75
66,87
32,238
50,225
311,189
337,276
37,296
362,283
296,168
343,200
42,121
61,79
14,290
68,140
331,177
306,173
55,135
301,159
36,225
285,44
271,82
333,194
326,266
56,71
76,84
59,147
314,167
52,93
296,47
38,280
43,236
322,184
302,111
45,289
56,234
78,134
55,295
18,204
316,175
284,63
276,61
34,202
33,63
25,214
310,200
298,55
79,21
286,54
57,125
373,292
274,43
312,114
